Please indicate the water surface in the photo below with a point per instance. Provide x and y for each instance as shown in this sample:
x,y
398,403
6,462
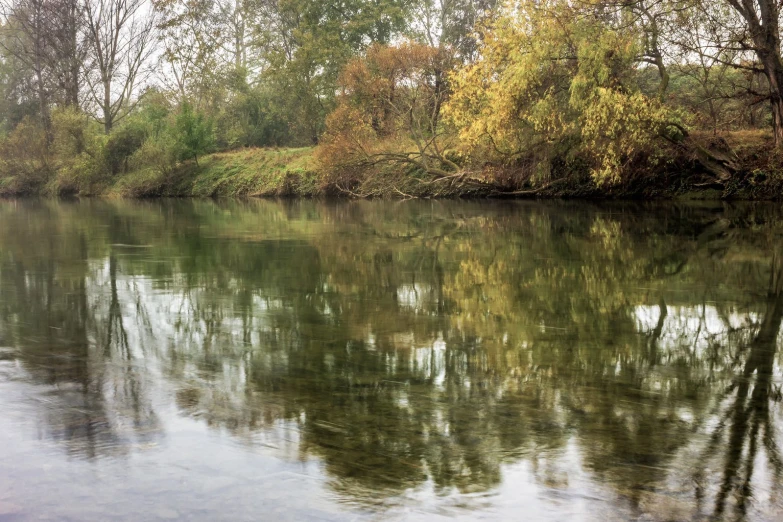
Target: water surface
x,y
262,360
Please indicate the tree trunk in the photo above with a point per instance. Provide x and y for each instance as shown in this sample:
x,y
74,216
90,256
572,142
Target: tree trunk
x,y
43,107
773,70
777,118
39,56
75,63
762,25
107,114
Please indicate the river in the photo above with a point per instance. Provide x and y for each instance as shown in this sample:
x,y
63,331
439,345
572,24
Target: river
x,y
418,360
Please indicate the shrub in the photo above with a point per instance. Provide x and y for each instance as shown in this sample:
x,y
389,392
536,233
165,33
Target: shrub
x,y
24,158
158,154
122,144
78,145
194,134
252,119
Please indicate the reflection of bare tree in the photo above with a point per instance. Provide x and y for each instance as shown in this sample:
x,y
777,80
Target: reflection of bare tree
x,y
49,325
89,387
655,336
747,425
116,336
124,375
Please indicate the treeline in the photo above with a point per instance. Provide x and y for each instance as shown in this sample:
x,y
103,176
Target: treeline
x,y
406,97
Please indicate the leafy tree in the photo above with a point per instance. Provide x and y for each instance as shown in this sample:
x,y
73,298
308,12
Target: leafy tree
x,y
551,84
17,95
389,114
25,38
452,24
193,37
194,133
308,43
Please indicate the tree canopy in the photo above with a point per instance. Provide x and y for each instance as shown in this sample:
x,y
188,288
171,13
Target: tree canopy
x,y
435,93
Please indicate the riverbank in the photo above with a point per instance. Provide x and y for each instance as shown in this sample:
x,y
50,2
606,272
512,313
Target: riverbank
x,y
241,173
757,174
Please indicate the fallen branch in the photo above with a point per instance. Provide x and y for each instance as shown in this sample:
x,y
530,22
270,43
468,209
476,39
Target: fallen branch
x,y
532,192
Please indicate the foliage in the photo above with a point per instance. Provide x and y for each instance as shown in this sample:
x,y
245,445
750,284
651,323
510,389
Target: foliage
x,y
410,97
714,97
157,151
122,144
551,83
389,113
79,148
252,118
451,24
25,162
194,135
244,172
318,39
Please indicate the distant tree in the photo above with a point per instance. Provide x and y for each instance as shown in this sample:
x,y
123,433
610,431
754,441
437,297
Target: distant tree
x,y
45,41
307,43
121,37
452,23
25,38
68,49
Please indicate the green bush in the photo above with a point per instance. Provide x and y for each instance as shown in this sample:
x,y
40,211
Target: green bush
x,y
78,150
194,134
122,144
25,158
145,141
252,119
156,154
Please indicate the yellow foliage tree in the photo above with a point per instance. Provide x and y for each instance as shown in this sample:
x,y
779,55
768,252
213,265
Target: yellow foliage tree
x,y
555,81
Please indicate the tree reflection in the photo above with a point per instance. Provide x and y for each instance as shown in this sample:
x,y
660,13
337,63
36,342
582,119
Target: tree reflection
x,y
746,425
404,344
52,314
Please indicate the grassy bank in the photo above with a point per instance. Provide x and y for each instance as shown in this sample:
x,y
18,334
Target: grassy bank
x,y
246,172
297,172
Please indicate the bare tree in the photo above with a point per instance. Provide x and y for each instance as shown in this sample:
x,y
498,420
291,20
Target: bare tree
x,y
759,32
25,38
121,37
452,23
46,38
67,48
